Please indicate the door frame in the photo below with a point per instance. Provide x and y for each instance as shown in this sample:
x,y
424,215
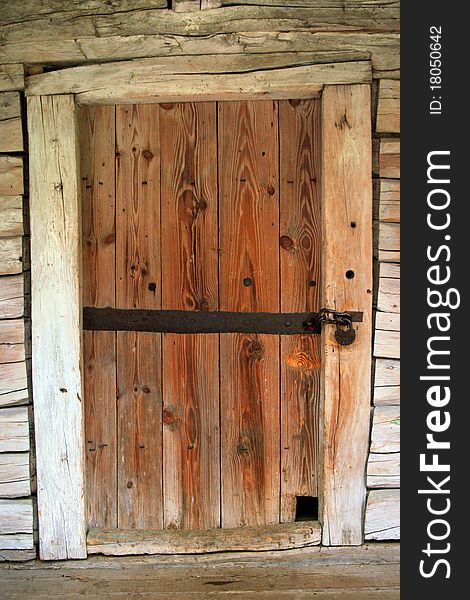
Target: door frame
x,y
346,183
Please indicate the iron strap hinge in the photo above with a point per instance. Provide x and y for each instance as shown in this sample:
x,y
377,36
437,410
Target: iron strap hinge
x,y
345,334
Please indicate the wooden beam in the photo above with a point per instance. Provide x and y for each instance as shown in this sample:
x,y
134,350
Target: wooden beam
x,y
347,249
56,312
11,77
13,384
271,537
11,216
387,372
11,175
388,110
387,344
11,132
12,341
383,515
11,297
14,429
386,429
169,80
14,475
11,255
389,158
383,470
16,516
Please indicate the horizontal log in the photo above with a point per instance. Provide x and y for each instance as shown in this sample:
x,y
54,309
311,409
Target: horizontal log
x,y
387,344
13,384
10,105
17,555
392,256
383,515
11,297
388,108
16,516
11,215
389,158
14,429
143,81
185,5
389,236
385,435
12,341
389,207
389,295
273,537
14,475
11,255
16,541
387,395
383,470
387,372
11,133
11,76
387,321
390,270
11,175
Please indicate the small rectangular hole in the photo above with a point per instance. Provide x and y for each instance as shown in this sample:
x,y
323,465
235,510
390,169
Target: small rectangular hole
x,y
306,508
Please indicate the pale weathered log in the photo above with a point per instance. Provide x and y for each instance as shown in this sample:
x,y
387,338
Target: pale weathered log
x,y
14,475
387,372
388,110
17,555
11,175
11,132
185,5
389,158
143,80
387,321
389,208
390,270
11,297
387,344
16,541
14,429
387,395
11,255
55,287
12,347
274,537
16,516
389,295
383,470
13,384
11,77
383,515
11,215
386,429
389,236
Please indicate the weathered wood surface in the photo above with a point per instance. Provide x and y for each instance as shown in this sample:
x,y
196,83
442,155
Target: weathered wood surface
x,y
11,76
383,515
389,158
387,396
56,343
388,109
97,174
191,433
11,216
387,321
389,237
13,384
18,542
387,372
12,341
11,175
141,81
249,281
14,475
185,6
300,254
391,270
11,297
389,209
387,344
11,255
386,429
389,295
138,265
18,555
383,470
11,132
273,537
346,378
16,516
14,429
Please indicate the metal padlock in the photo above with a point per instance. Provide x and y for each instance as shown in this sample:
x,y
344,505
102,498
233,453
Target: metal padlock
x,y
345,337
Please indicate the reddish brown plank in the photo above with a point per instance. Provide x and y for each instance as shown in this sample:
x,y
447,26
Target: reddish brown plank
x,y
97,133
138,285
191,444
300,243
249,281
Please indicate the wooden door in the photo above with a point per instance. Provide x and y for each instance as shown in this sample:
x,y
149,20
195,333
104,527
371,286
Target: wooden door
x,y
201,207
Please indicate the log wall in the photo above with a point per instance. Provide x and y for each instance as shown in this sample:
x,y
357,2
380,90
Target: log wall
x,y
250,35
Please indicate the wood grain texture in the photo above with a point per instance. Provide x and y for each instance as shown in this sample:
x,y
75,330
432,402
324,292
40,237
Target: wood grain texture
x,y
387,372
383,515
386,429
11,175
14,475
20,543
274,537
249,281
16,516
387,321
11,132
13,384
383,470
56,343
389,158
11,77
387,344
300,244
97,143
11,216
11,255
14,429
138,285
389,208
11,297
12,341
346,369
191,437
389,295
387,396
388,109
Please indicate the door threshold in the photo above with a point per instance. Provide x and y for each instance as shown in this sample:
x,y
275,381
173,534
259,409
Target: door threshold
x,y
282,536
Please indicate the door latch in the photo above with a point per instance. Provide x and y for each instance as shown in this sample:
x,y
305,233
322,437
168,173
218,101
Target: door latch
x,y
345,334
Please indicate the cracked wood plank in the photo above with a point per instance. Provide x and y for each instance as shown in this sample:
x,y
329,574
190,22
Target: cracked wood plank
x,y
11,76
56,363
346,376
14,429
14,475
11,297
383,515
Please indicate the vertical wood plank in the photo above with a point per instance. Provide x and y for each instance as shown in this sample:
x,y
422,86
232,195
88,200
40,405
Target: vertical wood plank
x,y
56,314
347,200
300,242
138,285
249,281
191,444
97,146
